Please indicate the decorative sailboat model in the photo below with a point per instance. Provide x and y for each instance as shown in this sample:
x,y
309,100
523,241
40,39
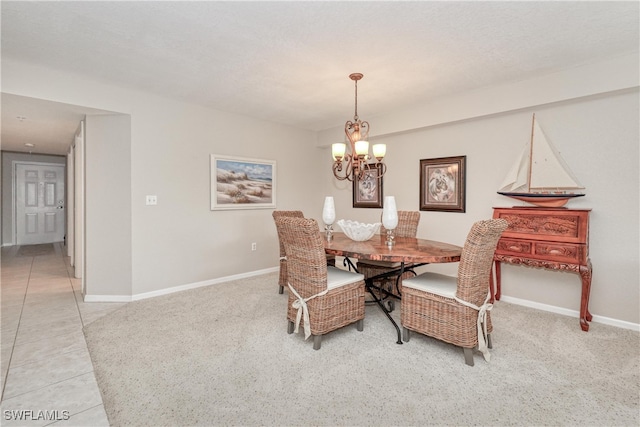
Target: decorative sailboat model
x,y
540,176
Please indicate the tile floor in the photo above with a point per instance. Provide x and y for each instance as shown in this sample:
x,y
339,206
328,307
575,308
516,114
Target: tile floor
x,y
44,358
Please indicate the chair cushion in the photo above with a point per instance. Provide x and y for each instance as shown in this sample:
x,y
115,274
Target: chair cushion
x,y
434,283
337,277
387,264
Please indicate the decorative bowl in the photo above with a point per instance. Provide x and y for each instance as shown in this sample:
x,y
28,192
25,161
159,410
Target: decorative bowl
x,y
358,231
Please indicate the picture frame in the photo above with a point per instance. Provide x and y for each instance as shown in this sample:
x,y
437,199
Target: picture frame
x,y
443,184
242,183
368,191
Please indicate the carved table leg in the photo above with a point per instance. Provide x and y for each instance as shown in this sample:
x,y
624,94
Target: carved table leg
x,y
585,316
498,287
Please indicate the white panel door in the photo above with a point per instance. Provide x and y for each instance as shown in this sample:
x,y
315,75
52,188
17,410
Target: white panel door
x,y
39,203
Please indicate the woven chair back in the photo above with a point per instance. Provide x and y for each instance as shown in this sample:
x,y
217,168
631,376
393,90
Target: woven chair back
x,y
292,214
477,259
306,260
407,224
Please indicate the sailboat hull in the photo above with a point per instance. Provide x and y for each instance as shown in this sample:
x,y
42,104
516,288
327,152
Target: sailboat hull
x,y
543,200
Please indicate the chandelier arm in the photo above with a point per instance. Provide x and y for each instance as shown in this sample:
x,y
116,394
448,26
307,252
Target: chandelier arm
x,y
337,168
347,127
352,167
364,130
347,172
383,169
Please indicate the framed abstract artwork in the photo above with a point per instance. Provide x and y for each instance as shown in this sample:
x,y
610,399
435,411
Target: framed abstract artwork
x,y
241,183
367,191
442,184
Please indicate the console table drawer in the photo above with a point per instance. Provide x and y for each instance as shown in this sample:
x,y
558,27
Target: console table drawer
x,y
514,247
556,225
554,251
550,251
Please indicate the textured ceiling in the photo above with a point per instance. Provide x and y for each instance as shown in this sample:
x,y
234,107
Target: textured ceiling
x,y
289,62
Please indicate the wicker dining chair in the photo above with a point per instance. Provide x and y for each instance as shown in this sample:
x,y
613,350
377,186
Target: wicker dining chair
x,y
282,278
456,309
323,298
407,227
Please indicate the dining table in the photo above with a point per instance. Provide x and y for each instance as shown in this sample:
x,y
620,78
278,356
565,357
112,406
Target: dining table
x,y
405,251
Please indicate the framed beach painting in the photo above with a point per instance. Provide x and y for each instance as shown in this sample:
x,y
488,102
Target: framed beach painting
x,y
242,183
367,192
442,184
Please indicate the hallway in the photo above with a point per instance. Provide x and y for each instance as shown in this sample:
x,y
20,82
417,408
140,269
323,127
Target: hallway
x,y
47,375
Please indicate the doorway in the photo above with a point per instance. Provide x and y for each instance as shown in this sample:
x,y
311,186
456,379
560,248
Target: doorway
x,y
40,196
100,185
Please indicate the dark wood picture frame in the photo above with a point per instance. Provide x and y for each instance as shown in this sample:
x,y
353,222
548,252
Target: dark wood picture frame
x,y
443,184
368,191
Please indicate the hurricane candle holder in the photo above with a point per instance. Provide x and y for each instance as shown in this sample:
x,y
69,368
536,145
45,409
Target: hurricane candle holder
x,y
390,219
328,216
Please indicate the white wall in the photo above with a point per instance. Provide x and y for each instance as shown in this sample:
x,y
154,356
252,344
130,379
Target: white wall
x,y
181,241
107,227
598,135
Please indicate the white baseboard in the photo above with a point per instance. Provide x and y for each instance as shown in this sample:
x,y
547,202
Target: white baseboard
x,y
526,303
145,295
107,298
572,313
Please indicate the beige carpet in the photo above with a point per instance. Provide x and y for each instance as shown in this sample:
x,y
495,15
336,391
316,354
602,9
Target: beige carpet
x,y
35,250
220,355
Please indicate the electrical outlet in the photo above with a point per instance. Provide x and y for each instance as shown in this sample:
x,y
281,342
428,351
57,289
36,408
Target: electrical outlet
x,y
254,246
152,200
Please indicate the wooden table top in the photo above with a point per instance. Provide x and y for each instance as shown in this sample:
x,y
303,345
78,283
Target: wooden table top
x,y
407,249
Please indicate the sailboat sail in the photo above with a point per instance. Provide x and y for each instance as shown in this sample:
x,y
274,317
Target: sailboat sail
x,y
549,171
541,171
518,176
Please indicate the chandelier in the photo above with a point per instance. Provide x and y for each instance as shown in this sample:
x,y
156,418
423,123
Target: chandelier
x,y
357,161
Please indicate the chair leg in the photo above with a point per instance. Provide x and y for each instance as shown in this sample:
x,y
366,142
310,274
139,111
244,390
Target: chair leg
x,y
281,290
317,342
405,334
489,343
360,325
290,327
468,356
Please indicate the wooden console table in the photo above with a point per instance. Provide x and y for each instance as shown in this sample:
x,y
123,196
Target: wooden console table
x,y
551,238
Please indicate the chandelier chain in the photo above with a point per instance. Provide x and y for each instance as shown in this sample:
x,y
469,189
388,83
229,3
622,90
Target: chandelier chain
x,y
355,116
